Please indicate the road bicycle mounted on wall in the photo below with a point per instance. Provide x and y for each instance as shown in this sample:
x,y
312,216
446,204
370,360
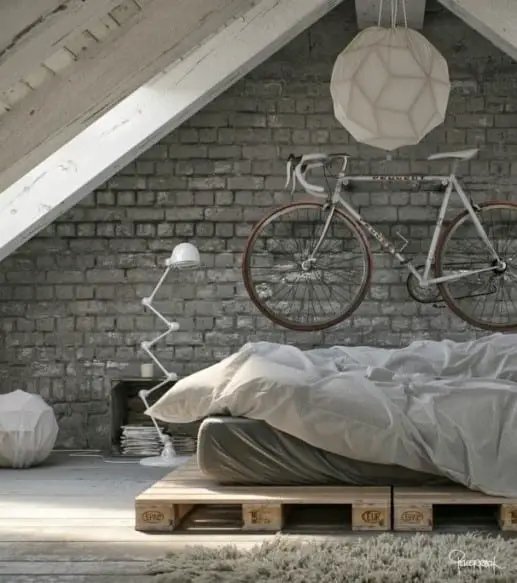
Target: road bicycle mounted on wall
x,y
307,266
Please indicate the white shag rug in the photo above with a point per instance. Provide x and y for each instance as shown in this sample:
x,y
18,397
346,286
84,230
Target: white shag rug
x,y
385,558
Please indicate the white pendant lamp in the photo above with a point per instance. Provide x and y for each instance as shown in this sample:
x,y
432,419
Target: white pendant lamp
x,y
390,86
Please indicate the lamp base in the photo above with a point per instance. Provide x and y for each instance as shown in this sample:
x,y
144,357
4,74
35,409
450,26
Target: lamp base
x,y
163,461
167,459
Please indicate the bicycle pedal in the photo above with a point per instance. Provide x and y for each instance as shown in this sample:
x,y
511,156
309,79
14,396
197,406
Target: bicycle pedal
x,y
405,241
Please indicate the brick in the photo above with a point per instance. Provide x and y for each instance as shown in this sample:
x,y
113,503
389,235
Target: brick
x,y
209,120
156,152
223,167
105,198
62,292
188,135
184,214
86,230
207,136
206,183
244,197
248,120
127,183
246,183
414,214
105,230
164,168
224,198
146,168
224,214
61,277
321,121
187,152
145,214
286,105
301,137
105,276
285,120
251,136
282,136
167,183
269,152
146,230
66,230
220,152
225,230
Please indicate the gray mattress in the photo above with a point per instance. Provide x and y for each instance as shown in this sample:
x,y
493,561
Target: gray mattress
x,y
234,450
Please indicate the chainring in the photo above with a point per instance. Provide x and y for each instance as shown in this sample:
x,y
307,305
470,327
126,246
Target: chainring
x,y
424,295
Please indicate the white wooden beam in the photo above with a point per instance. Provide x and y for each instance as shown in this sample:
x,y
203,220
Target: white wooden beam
x,y
149,114
496,20
31,31
367,13
107,73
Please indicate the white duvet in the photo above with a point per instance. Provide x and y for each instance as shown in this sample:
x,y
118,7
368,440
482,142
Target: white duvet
x,y
439,407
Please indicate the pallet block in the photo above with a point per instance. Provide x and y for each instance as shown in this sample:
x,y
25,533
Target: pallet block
x,y
413,507
165,505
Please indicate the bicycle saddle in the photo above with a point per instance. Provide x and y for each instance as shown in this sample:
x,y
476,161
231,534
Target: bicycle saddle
x,y
459,155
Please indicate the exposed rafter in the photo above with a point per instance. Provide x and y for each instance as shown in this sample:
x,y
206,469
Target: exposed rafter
x,y
31,31
103,75
496,20
148,114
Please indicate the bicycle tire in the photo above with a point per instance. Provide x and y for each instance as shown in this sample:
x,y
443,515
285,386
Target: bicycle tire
x,y
453,302
271,315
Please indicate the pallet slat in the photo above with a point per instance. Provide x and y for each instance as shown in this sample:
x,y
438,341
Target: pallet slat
x,y
165,505
413,507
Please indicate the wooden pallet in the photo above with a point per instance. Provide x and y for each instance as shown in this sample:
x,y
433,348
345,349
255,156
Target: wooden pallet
x,y
166,505
414,508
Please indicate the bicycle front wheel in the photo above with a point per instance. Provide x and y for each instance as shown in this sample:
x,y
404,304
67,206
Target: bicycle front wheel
x,y
297,288
485,300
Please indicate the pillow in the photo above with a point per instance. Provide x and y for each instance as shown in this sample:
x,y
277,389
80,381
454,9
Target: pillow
x,y
191,398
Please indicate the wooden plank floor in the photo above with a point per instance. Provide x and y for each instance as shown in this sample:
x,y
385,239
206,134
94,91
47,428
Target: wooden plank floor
x,y
73,520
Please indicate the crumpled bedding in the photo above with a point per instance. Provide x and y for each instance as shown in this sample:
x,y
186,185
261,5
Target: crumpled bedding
x,y
443,408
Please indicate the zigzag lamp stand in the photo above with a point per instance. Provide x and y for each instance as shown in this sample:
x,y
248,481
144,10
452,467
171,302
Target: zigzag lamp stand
x,y
184,256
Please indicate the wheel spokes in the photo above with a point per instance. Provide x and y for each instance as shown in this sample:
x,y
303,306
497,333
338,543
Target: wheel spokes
x,y
487,300
295,288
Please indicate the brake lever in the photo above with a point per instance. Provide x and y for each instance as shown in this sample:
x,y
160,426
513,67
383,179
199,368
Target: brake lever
x,y
289,170
291,175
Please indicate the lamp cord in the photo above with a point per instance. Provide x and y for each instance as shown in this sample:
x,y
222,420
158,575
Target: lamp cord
x,y
394,6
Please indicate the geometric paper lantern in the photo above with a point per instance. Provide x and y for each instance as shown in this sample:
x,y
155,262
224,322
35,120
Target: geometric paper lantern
x,y
390,87
28,430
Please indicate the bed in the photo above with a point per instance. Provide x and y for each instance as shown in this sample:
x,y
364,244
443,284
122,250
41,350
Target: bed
x,y
237,450
275,414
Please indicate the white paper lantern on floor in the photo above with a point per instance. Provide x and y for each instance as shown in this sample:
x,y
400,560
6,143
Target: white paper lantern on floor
x,y
390,87
28,430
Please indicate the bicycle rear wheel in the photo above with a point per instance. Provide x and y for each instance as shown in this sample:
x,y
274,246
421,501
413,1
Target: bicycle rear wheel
x,y
487,300
301,295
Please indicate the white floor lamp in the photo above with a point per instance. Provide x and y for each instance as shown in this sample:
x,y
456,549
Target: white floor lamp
x,y
184,256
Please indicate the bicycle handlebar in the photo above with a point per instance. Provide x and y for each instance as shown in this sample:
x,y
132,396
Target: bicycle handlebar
x,y
298,166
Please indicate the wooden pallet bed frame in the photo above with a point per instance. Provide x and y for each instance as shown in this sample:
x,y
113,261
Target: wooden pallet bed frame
x,y
185,495
165,505
413,507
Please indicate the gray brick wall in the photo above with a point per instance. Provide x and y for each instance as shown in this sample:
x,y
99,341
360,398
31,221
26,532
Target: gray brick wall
x,y
70,311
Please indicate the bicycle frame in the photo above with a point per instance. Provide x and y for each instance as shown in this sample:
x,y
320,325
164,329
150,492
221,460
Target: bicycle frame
x,y
451,183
